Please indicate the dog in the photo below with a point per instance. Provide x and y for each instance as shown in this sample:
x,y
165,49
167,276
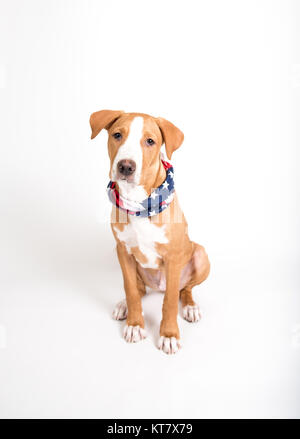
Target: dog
x,y
149,227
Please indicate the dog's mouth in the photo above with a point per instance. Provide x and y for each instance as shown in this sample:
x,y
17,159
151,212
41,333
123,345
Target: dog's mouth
x,y
125,179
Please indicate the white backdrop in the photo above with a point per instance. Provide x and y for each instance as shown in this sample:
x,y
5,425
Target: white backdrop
x,y
227,73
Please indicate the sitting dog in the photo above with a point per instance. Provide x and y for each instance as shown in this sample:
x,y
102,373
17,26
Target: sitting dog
x,y
153,246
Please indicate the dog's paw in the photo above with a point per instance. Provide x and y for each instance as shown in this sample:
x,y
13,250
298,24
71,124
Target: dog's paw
x,y
191,313
170,345
133,334
120,311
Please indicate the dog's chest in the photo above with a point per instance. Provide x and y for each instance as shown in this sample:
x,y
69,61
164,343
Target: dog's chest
x,y
140,237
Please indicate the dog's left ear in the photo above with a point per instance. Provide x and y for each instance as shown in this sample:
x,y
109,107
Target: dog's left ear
x,y
172,135
103,119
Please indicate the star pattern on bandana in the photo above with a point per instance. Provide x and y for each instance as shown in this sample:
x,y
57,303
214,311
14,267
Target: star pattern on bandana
x,y
158,201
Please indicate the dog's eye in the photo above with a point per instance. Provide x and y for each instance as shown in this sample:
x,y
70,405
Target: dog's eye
x,y
117,136
150,142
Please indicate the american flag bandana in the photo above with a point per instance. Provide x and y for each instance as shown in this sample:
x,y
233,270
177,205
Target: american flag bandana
x,y
158,200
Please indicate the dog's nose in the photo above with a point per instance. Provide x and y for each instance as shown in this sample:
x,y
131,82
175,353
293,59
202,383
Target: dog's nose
x,y
126,167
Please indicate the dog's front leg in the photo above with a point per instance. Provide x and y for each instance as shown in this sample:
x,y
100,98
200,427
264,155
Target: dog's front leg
x,y
169,332
134,329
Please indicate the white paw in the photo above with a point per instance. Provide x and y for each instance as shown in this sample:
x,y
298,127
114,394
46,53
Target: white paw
x,y
191,313
120,311
170,345
133,334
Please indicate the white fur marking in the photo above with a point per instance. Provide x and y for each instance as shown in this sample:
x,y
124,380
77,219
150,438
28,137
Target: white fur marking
x,y
141,233
120,311
169,345
133,334
131,191
191,313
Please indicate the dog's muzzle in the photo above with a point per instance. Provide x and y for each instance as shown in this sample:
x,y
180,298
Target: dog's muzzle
x,y
159,199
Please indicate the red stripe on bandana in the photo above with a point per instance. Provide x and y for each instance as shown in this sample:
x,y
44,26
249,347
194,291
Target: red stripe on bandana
x,y
167,165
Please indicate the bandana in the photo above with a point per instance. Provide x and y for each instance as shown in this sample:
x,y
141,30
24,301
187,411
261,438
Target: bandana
x,y
158,200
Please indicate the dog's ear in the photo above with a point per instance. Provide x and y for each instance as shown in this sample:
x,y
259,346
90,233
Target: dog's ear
x,y
172,135
103,119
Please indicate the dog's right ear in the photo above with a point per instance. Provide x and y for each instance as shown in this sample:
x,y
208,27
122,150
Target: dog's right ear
x,y
103,119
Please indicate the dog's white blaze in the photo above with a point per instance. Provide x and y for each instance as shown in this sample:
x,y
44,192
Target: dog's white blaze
x,y
141,233
131,150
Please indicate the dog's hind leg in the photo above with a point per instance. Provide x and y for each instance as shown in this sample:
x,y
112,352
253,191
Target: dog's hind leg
x,y
199,268
190,310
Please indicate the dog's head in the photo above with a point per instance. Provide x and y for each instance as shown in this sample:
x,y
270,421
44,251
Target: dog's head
x,y
134,143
